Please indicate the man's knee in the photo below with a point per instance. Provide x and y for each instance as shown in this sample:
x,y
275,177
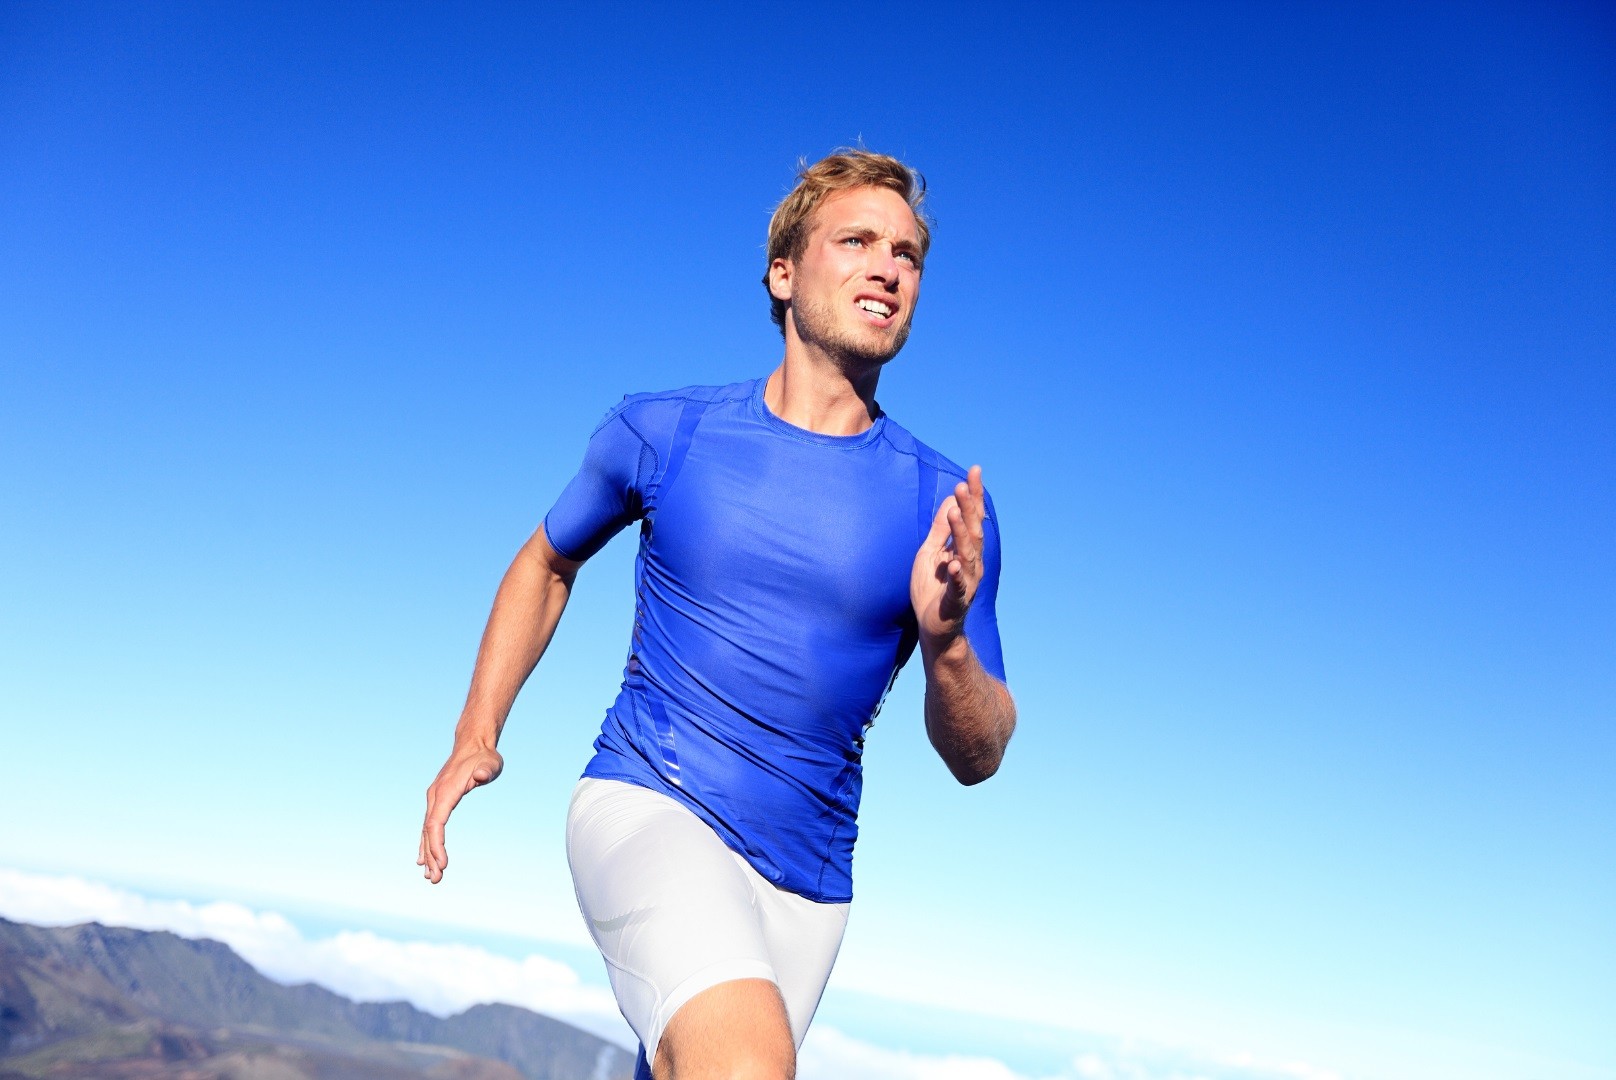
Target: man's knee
x,y
744,1068
736,1030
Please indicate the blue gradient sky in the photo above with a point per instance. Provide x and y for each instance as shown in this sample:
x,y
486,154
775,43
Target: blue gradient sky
x,y
1286,337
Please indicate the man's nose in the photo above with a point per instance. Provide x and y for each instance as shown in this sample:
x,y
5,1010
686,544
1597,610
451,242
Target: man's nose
x,y
883,264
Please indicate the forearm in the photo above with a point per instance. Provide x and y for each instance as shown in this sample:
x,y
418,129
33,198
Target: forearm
x,y
526,609
969,714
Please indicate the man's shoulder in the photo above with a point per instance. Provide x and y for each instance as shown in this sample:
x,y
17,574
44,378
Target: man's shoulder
x,y
904,441
948,473
656,411
735,391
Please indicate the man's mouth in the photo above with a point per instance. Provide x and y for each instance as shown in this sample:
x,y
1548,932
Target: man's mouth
x,y
876,307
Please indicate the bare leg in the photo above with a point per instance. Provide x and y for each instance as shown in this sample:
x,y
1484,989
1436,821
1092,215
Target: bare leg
x,y
736,1030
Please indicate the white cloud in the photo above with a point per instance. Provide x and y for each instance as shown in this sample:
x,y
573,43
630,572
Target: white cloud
x,y
1247,1064
446,978
1129,1060
439,978
830,1055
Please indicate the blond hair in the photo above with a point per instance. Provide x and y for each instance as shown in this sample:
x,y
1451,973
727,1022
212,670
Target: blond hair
x,y
844,169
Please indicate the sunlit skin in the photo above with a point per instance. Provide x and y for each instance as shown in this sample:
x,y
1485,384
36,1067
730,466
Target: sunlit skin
x,y
864,247
862,252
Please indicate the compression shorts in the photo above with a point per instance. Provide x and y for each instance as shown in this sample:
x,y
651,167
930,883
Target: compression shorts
x,y
675,912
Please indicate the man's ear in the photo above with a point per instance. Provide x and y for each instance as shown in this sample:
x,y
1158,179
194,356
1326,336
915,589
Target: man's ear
x,y
780,271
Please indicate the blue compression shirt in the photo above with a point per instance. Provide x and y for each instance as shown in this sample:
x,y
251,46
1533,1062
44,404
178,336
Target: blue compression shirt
x,y
772,612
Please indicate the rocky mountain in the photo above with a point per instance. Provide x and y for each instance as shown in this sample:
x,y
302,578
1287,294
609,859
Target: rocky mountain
x,y
98,1001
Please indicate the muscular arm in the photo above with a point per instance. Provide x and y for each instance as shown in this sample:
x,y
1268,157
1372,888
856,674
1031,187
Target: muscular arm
x,y
527,608
969,713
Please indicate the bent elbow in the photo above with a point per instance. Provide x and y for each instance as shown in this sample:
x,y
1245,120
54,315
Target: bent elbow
x,y
973,777
973,750
972,771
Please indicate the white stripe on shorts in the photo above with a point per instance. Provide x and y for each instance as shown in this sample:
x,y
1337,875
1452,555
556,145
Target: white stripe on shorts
x,y
674,911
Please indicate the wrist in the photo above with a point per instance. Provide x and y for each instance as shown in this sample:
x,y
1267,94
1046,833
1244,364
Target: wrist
x,y
473,735
949,650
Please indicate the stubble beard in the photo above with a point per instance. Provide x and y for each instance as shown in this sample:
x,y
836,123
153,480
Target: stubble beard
x,y
817,326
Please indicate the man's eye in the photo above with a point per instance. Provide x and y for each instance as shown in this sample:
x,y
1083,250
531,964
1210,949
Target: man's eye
x,y
855,241
909,255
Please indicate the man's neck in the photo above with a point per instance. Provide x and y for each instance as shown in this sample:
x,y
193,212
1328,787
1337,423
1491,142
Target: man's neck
x,y
817,394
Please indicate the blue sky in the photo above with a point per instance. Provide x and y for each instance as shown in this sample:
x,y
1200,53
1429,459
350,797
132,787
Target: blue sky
x,y
1286,337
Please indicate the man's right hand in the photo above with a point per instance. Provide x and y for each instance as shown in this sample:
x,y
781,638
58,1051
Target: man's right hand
x,y
466,769
527,607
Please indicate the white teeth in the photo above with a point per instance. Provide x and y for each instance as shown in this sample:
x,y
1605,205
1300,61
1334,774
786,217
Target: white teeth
x,y
876,306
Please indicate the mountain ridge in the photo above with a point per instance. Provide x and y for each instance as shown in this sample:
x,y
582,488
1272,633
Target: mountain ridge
x,y
199,1007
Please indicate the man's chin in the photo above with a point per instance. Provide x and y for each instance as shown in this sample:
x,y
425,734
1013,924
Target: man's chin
x,y
893,345
874,348
865,359
856,347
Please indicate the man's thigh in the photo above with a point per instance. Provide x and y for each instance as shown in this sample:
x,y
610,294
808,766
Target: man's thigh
x,y
802,938
676,914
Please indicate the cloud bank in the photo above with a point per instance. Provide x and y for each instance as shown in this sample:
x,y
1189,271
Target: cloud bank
x,y
442,979
445,979
828,1053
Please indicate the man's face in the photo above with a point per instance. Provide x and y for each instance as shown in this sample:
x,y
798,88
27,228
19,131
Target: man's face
x,y
853,290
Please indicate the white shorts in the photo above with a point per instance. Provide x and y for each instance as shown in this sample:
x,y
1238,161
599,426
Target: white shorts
x,y
674,911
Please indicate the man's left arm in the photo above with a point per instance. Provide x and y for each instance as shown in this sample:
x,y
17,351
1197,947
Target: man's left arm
x,y
969,713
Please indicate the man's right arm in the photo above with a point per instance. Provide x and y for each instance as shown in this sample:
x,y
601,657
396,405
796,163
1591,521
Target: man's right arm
x,y
527,608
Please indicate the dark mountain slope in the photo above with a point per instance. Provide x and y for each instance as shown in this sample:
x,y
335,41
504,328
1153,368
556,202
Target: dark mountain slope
x,y
84,984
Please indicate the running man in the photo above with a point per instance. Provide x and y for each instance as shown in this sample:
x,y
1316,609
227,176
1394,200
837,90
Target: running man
x,y
796,546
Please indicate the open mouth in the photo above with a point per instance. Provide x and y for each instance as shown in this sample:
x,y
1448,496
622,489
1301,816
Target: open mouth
x,y
879,308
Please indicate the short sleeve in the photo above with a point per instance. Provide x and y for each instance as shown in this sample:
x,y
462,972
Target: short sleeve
x,y
982,621
607,494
